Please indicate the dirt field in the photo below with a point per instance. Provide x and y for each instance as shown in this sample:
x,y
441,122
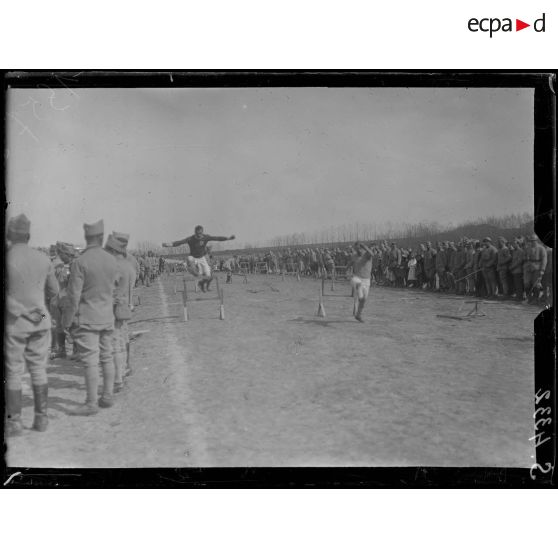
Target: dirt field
x,y
274,385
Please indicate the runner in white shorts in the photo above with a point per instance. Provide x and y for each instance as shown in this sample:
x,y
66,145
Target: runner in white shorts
x,y
362,271
196,261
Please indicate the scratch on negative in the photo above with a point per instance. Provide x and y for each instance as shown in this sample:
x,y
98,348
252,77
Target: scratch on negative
x,y
11,477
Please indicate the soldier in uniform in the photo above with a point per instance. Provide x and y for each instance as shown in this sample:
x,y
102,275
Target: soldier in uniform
x,y
516,268
30,278
459,269
533,268
488,262
146,272
124,238
93,277
66,252
441,265
470,268
429,259
451,266
480,287
58,342
503,265
394,261
122,309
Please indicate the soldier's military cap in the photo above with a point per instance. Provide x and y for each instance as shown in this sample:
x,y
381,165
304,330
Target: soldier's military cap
x,y
65,248
19,224
94,229
65,251
487,239
114,244
123,237
533,237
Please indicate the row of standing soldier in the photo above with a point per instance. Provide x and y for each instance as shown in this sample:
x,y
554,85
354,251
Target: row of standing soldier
x,y
92,305
520,269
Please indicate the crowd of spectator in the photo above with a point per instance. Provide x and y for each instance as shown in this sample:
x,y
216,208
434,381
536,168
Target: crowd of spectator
x,y
520,269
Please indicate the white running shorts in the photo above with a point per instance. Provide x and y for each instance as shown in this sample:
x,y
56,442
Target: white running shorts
x,y
362,286
198,266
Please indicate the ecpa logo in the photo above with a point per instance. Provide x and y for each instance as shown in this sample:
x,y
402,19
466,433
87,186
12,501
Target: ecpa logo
x,y
493,25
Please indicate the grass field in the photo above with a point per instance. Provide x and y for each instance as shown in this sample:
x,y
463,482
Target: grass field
x,y
275,385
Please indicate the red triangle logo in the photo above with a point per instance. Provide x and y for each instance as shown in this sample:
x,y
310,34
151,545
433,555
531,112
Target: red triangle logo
x,y
519,25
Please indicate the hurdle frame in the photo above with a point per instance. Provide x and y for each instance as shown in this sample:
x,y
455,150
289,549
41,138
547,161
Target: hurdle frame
x,y
186,300
475,312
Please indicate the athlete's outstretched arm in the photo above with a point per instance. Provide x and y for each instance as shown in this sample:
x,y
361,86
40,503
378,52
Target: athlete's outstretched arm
x,y
175,243
220,238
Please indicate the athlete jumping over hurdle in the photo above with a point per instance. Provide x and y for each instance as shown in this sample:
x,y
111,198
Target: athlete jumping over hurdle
x,y
196,262
362,270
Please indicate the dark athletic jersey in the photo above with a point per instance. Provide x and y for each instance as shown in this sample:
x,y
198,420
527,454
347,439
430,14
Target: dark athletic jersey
x,y
198,246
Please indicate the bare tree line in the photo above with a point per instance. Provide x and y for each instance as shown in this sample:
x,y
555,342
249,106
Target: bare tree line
x,y
361,231
389,230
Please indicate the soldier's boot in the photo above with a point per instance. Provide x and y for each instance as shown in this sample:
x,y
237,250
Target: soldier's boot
x,y
40,394
90,407
201,285
208,283
358,315
107,399
119,370
61,336
14,426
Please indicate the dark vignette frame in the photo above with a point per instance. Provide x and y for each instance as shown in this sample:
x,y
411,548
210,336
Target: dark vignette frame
x,y
541,474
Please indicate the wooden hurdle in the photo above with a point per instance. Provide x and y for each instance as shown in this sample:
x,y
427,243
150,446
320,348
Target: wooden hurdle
x,y
475,312
322,294
321,310
186,300
221,295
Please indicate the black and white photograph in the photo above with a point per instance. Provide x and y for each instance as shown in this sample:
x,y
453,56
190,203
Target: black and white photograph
x,y
205,276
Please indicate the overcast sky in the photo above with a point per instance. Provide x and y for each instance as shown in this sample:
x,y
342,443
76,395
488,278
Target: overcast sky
x,y
264,162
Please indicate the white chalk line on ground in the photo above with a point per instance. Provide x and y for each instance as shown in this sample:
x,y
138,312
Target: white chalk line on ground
x,y
195,433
